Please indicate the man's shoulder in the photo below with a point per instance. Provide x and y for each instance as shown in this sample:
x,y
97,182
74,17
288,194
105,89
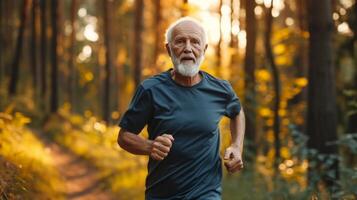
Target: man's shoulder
x,y
154,80
217,81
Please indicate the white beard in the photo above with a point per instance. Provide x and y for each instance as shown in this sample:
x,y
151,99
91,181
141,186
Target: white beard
x,y
187,69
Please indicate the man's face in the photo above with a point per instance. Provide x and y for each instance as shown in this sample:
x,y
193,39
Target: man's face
x,y
187,48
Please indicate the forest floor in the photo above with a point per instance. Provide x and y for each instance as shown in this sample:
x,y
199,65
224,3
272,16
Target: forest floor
x,y
79,176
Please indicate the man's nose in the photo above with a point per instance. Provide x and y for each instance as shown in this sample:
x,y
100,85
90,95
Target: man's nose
x,y
188,47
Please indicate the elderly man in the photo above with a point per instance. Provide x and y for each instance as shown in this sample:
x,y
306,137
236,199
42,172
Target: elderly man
x,y
182,108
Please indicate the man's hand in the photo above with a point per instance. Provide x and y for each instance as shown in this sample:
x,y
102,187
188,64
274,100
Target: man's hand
x,y
161,146
233,159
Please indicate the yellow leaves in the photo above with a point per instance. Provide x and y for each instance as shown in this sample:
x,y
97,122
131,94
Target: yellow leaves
x,y
262,75
265,112
115,115
100,127
285,152
20,147
88,76
279,49
301,82
283,60
20,119
270,136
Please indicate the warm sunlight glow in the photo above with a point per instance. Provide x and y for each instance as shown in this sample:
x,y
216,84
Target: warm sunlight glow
x,y
235,28
258,10
344,28
342,11
289,21
82,12
242,37
346,3
90,34
335,16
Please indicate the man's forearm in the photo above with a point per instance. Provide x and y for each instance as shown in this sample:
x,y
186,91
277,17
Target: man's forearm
x,y
237,127
134,143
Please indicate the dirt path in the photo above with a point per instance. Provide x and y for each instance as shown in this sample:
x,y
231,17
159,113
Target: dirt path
x,y
81,182
80,177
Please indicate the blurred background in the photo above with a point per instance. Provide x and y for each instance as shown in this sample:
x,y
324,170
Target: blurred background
x,y
68,70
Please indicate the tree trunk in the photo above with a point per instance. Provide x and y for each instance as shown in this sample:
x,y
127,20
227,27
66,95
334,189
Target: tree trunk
x,y
71,63
157,18
218,51
108,60
270,56
322,111
54,66
18,49
33,48
2,42
138,27
233,42
43,70
249,69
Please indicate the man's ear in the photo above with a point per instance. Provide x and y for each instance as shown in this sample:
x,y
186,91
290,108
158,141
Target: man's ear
x,y
205,48
168,49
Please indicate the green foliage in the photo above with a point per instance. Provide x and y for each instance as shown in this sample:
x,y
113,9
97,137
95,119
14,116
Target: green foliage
x,y
345,185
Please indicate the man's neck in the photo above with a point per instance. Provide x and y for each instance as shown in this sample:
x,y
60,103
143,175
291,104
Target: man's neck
x,y
185,80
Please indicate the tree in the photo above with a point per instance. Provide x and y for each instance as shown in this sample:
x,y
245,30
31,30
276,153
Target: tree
x,y
108,59
43,70
54,65
219,44
138,28
249,69
321,112
18,49
157,18
71,62
33,45
274,69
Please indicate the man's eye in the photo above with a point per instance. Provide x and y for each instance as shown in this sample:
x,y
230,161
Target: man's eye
x,y
195,42
179,41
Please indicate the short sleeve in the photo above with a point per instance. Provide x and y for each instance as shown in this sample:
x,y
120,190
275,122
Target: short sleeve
x,y
233,106
139,111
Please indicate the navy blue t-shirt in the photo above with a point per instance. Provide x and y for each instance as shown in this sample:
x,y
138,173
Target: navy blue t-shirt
x,y
192,169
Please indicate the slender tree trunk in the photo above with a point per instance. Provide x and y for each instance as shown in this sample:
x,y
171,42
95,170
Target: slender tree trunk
x,y
108,60
219,44
54,66
33,49
71,62
2,43
233,42
301,57
270,56
158,42
249,69
43,71
322,107
138,27
18,49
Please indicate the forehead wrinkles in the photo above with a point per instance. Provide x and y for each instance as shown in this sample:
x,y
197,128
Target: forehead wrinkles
x,y
187,29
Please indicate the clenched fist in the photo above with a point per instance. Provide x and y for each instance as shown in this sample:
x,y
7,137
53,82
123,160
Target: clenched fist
x,y
233,159
161,146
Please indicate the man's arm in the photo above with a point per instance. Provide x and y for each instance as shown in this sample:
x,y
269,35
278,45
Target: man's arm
x,y
158,149
234,152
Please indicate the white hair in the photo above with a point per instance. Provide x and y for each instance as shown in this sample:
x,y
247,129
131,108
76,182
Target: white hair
x,y
168,34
